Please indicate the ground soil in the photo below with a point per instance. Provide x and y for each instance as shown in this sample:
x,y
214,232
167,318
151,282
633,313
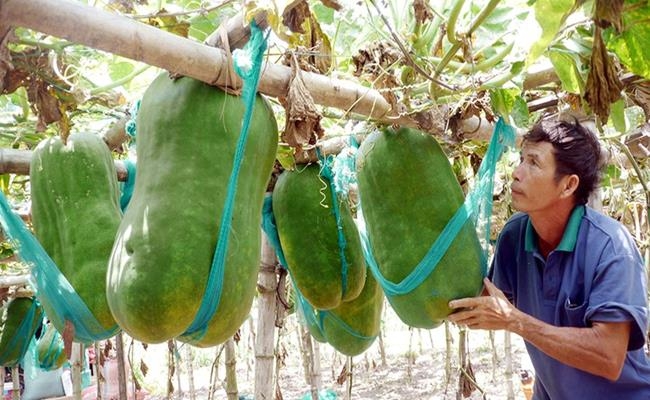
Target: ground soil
x,y
413,366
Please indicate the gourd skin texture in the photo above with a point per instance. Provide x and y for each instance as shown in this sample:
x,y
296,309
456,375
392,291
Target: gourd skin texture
x,y
75,214
187,135
408,194
362,315
306,225
14,314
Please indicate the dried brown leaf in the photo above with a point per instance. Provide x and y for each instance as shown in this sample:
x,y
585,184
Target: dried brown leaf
x,y
421,11
144,368
375,60
603,86
45,105
295,14
302,125
333,4
609,13
467,380
343,375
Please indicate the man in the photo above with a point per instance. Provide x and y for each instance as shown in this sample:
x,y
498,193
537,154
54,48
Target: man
x,y
566,278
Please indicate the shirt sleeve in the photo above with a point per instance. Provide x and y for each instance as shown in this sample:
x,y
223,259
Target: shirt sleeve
x,y
618,294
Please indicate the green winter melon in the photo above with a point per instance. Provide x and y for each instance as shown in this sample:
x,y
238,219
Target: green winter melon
x,y
408,194
306,225
50,349
352,327
75,214
18,329
187,136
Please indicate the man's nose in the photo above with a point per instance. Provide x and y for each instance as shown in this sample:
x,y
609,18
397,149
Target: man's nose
x,y
516,173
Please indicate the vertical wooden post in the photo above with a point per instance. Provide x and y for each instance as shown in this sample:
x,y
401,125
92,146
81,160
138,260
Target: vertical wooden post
x,y
121,367
264,343
509,373
315,366
15,379
76,361
232,392
190,371
99,372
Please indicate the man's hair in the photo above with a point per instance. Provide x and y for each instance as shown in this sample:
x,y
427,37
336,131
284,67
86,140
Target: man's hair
x,y
576,150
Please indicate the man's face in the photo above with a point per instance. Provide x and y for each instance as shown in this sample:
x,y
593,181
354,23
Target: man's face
x,y
534,187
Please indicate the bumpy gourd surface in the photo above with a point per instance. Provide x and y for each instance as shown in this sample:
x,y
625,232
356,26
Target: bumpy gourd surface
x,y
75,213
304,217
187,134
408,194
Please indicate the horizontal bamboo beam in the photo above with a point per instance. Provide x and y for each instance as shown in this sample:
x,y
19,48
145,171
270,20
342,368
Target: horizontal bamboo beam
x,y
13,280
123,36
17,162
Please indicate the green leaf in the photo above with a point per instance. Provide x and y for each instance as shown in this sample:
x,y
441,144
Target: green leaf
x,y
567,70
610,175
550,15
503,100
520,113
631,46
617,116
120,69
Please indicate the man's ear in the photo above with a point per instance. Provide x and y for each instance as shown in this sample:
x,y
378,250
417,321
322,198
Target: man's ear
x,y
570,185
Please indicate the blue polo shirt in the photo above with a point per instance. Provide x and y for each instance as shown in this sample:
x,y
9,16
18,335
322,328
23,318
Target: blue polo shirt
x,y
595,274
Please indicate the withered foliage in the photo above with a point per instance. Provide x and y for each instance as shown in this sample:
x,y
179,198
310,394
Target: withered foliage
x,y
295,14
377,64
603,84
47,93
302,126
609,13
421,11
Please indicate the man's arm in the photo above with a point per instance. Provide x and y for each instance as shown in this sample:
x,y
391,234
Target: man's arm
x,y
599,350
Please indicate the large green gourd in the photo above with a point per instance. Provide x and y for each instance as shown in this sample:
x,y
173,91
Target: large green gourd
x,y
14,338
352,327
187,135
306,224
75,213
50,349
408,194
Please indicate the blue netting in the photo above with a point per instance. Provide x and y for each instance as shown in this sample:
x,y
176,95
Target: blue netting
x,y
22,337
49,348
327,173
52,287
344,169
477,207
130,126
126,188
248,64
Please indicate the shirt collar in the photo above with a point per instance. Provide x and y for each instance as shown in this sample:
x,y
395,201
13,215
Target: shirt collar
x,y
568,242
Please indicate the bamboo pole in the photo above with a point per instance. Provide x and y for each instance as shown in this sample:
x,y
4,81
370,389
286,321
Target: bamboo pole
x,y
76,361
232,392
98,370
13,280
121,368
120,35
15,379
190,371
509,374
264,343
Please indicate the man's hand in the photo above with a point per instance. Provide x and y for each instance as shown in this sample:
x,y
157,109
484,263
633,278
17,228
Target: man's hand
x,y
493,311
